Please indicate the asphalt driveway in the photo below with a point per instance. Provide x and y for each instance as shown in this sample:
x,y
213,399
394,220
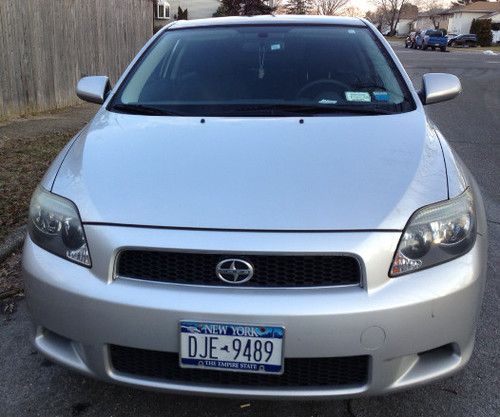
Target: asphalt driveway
x,y
31,385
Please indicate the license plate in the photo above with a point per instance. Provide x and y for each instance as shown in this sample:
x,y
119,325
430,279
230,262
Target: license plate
x,y
231,347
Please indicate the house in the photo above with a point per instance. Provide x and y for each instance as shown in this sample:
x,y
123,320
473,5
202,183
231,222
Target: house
x,y
462,18
407,15
166,11
495,25
438,19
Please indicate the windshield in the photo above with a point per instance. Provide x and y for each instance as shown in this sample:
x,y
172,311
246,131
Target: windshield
x,y
435,33
261,70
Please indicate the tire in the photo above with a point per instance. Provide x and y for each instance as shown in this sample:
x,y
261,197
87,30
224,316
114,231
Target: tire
x,y
452,44
406,45
442,48
433,48
424,47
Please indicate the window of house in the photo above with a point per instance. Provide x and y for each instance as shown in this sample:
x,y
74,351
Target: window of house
x,y
163,10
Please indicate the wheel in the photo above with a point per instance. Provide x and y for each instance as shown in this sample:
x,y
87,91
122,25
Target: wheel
x,y
442,48
424,47
452,44
433,48
406,45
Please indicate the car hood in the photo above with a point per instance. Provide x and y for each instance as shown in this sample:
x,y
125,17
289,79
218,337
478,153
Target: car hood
x,y
327,173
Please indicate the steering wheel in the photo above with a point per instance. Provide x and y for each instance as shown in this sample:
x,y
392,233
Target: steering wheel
x,y
308,86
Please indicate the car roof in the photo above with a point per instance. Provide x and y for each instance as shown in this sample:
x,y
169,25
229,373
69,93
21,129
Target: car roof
x,y
269,20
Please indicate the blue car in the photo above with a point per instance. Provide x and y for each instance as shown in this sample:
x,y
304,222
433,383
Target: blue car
x,y
431,38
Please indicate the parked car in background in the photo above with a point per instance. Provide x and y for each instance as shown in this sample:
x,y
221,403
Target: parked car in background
x,y
410,40
431,38
469,40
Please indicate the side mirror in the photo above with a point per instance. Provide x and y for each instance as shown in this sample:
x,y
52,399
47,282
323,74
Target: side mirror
x,y
437,87
94,89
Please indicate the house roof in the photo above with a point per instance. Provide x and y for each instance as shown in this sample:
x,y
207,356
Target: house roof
x,y
480,7
409,12
488,15
434,13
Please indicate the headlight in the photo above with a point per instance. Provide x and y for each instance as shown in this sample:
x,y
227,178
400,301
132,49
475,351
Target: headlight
x,y
435,234
55,225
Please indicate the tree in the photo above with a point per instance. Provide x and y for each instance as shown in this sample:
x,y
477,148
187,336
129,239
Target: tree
x,y
462,3
256,7
351,11
182,14
329,7
482,28
429,5
376,17
389,12
435,9
279,6
299,6
243,8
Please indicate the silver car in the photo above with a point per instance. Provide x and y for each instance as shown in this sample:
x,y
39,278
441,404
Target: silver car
x,y
260,208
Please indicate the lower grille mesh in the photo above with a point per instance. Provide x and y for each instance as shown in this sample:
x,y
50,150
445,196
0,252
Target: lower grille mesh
x,y
299,372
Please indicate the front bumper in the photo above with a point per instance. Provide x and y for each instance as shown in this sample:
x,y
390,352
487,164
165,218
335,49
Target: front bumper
x,y
415,328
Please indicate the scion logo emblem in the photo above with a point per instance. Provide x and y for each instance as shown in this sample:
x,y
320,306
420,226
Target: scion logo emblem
x,y
234,271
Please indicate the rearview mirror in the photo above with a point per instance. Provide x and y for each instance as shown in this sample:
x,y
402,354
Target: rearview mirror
x,y
438,87
93,89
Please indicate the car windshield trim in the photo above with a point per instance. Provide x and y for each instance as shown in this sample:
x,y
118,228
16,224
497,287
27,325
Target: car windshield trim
x,y
249,109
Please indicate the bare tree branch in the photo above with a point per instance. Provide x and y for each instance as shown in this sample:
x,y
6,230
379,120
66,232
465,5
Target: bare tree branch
x,y
351,11
330,7
388,11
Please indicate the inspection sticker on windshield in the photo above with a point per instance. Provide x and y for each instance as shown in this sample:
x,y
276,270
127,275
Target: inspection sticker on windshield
x,y
381,95
357,96
231,347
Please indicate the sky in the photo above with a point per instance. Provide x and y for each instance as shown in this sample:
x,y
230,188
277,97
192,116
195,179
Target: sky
x,y
366,5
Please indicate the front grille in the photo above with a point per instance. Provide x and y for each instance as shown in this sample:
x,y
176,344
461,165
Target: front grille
x,y
299,372
269,270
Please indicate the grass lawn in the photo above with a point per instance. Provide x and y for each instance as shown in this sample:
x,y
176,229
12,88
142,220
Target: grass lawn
x,y
395,38
22,165
494,48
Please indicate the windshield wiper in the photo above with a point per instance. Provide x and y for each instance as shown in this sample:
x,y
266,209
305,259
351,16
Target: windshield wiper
x,y
306,109
350,109
143,109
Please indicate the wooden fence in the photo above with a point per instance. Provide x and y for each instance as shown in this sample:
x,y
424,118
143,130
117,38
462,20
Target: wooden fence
x,y
47,45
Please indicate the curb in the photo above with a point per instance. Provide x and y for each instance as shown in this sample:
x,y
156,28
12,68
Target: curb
x,y
12,242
